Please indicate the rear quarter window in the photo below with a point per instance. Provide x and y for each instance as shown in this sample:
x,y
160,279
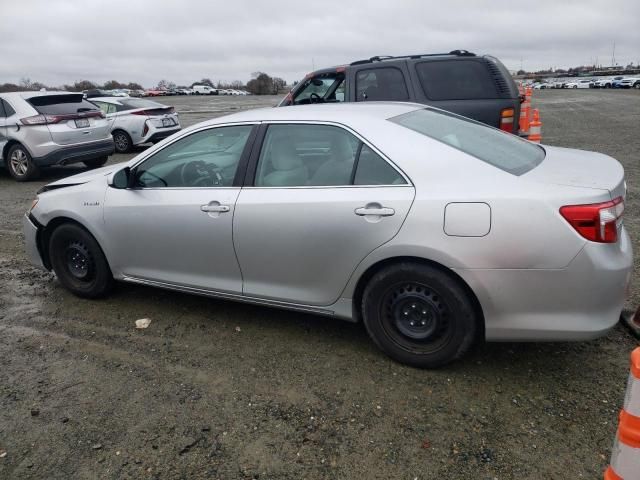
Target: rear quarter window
x,y
503,150
456,80
61,104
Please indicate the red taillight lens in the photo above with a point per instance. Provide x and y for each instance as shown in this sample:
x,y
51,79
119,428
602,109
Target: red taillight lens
x,y
140,112
40,120
597,222
506,119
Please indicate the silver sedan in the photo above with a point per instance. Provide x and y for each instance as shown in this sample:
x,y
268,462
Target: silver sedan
x,y
434,230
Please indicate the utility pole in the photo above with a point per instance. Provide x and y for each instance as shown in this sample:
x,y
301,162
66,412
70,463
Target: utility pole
x,y
613,55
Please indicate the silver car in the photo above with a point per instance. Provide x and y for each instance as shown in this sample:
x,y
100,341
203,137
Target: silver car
x,y
40,129
135,121
434,230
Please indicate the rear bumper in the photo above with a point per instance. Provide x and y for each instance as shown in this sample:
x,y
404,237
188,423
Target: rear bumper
x,y
160,134
76,153
581,302
30,231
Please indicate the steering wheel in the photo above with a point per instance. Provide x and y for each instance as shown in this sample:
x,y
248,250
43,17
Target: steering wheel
x,y
200,174
315,98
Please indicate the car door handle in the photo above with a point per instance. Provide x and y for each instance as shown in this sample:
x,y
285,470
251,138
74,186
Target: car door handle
x,y
214,208
380,211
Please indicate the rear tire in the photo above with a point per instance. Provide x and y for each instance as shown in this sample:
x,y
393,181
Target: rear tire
x,y
96,163
20,164
419,315
122,141
78,262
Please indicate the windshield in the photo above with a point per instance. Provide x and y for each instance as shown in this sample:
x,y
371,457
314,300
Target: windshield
x,y
503,150
326,87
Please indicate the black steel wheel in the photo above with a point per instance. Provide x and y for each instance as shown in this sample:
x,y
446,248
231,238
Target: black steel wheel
x,y
419,314
78,261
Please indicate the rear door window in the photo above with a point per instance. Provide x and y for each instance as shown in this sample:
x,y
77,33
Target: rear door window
x,y
8,109
61,104
384,83
456,80
502,150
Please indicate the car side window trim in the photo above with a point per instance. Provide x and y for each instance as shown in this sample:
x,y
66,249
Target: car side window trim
x,y
249,181
242,163
2,114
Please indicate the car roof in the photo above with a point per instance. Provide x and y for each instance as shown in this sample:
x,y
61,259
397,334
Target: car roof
x,y
334,112
29,94
107,99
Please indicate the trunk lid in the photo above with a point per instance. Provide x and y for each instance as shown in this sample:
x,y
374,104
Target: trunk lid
x,y
579,168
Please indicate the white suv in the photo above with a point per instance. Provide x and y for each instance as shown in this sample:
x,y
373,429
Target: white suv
x,y
40,129
134,121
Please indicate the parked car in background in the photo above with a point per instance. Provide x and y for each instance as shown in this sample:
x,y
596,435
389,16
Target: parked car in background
x,y
41,129
478,87
204,90
95,92
135,121
629,82
186,91
152,92
606,82
580,84
332,209
119,92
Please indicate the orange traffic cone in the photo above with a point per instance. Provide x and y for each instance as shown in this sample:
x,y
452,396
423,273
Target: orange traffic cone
x,y
535,127
625,456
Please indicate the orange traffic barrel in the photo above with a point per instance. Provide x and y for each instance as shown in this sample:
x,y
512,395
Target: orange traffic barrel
x,y
535,128
625,455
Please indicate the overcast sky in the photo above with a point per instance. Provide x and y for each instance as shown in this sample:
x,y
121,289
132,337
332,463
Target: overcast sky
x,y
61,41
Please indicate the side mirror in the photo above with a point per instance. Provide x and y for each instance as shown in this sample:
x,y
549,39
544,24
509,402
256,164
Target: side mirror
x,y
121,179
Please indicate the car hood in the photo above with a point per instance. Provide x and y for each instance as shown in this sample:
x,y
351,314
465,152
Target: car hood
x,y
83,177
579,168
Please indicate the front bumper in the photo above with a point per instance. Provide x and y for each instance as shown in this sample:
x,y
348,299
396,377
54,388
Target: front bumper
x,y
76,153
30,231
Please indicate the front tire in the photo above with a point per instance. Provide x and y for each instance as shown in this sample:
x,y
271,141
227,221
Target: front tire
x,y
20,164
419,315
96,163
122,141
78,262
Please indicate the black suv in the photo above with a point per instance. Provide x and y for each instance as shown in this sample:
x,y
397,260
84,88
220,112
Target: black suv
x,y
478,87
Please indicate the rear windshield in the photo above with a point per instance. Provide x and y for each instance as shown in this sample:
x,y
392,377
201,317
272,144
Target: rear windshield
x,y
502,150
61,104
139,103
456,80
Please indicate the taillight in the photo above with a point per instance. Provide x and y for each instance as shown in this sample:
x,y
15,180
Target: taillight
x,y
49,119
597,222
506,119
40,120
145,130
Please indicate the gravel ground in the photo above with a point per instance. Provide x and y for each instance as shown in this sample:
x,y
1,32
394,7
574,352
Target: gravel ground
x,y
215,389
